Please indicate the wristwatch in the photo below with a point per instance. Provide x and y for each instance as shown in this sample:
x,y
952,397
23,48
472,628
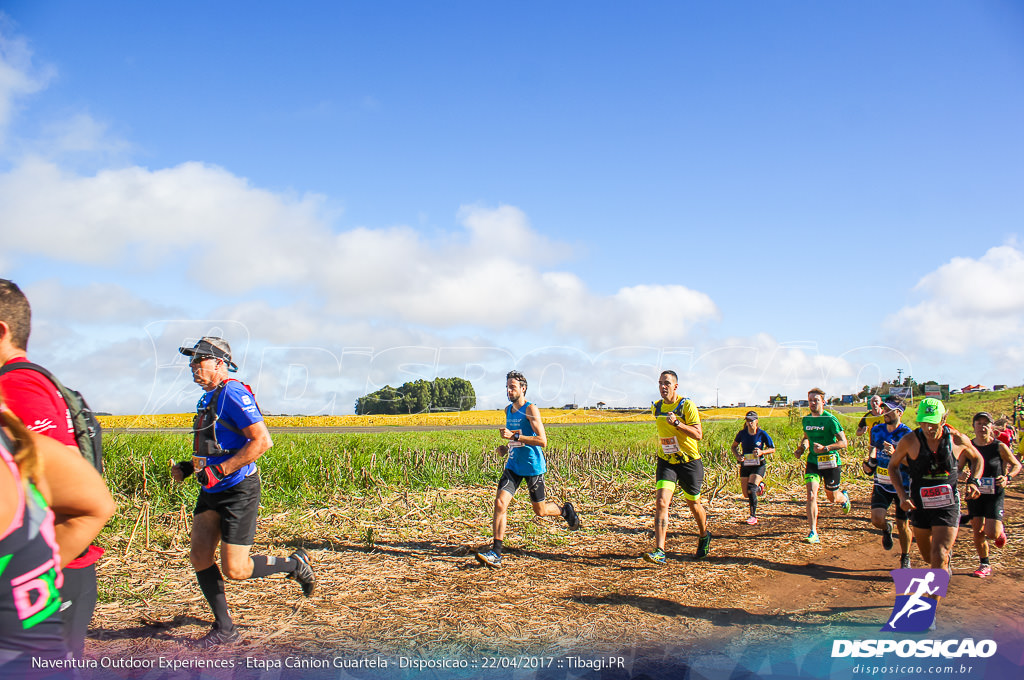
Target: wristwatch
x,y
515,437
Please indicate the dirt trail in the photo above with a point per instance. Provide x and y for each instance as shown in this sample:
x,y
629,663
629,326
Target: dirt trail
x,y
417,588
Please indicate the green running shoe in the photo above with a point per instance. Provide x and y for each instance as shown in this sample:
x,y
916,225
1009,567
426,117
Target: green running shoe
x,y
704,545
656,556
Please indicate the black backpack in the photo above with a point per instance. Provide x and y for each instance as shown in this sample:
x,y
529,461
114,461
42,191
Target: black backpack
x,y
88,432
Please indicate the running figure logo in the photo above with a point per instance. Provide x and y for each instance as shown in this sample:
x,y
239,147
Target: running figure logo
x,y
917,591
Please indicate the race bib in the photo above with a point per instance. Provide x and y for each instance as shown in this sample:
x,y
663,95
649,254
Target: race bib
x,y
882,476
669,446
752,458
987,485
827,461
198,462
940,496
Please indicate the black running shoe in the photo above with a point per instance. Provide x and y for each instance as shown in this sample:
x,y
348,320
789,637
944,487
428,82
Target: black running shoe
x,y
303,572
904,561
571,518
887,535
704,545
217,637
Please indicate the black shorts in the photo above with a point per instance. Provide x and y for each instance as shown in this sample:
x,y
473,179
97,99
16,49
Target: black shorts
x,y
688,476
238,508
880,498
748,470
829,475
989,506
510,481
926,518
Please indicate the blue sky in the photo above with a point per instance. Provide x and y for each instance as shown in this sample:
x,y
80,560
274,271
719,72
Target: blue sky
x,y
765,197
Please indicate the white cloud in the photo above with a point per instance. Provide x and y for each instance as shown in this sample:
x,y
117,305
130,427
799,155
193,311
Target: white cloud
x,y
238,240
18,76
968,305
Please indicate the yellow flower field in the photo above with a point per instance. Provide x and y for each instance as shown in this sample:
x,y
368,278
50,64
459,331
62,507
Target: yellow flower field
x,y
451,419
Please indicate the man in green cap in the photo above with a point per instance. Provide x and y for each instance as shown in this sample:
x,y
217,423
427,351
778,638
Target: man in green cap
x,y
930,456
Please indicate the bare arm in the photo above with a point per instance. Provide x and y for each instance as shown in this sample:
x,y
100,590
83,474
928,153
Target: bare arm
x,y
258,444
902,452
1011,466
80,500
694,431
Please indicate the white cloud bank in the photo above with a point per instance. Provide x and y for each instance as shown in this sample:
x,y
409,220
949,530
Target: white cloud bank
x,y
968,306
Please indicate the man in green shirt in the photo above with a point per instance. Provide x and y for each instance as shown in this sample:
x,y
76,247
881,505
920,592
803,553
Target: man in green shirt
x,y
823,440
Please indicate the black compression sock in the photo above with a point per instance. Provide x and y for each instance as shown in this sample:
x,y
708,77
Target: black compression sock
x,y
497,546
265,566
752,498
211,582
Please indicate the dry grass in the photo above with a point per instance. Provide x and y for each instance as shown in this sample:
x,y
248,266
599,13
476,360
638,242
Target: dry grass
x,y
396,574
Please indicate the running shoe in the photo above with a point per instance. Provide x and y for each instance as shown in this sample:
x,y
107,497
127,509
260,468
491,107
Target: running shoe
x,y
887,535
983,571
904,561
812,538
1001,539
751,520
846,506
490,558
761,489
571,518
656,556
217,637
704,545
303,572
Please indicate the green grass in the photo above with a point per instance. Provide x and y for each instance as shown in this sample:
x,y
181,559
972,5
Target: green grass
x,y
316,470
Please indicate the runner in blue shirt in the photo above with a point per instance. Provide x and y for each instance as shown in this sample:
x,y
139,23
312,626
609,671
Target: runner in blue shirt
x,y
753,445
526,439
229,435
884,438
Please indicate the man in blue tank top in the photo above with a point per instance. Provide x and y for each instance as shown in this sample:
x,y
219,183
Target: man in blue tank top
x,y
229,436
526,439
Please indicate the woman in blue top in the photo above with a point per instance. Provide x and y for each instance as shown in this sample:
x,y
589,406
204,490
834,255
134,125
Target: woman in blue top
x,y
524,433
753,444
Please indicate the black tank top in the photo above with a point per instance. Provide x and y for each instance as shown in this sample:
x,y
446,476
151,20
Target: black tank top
x,y
993,461
933,467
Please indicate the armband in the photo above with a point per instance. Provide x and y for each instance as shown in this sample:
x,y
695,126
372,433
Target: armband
x,y
872,463
973,481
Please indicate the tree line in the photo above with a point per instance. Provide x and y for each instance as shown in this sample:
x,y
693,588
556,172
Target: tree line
x,y
420,396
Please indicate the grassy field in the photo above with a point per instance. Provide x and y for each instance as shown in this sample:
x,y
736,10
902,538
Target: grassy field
x,y
308,471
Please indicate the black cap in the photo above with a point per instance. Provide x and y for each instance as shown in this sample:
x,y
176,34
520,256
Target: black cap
x,y
209,346
751,415
983,414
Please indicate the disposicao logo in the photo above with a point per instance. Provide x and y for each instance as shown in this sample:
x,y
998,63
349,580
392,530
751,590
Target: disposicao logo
x,y
916,593
914,612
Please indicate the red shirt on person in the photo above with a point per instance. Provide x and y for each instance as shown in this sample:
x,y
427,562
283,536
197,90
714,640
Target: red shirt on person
x,y
38,403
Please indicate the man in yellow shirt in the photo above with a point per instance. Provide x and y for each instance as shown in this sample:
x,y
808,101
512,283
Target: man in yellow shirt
x,y
679,463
